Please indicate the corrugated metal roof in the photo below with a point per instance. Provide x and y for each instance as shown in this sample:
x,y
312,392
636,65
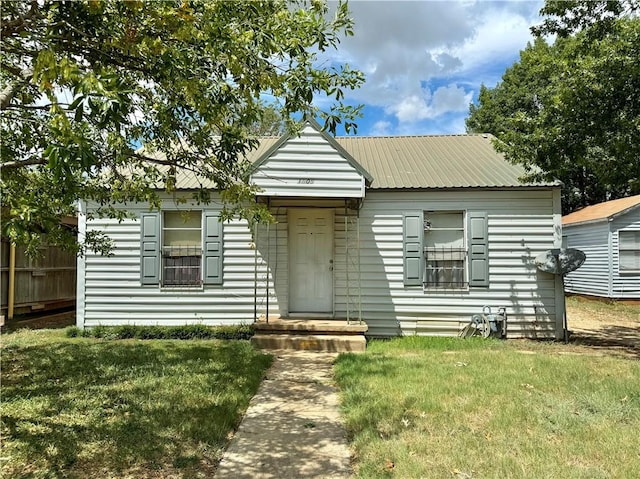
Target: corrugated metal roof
x,y
442,161
413,162
601,211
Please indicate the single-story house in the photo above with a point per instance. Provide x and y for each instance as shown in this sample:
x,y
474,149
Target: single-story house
x,y
609,234
412,235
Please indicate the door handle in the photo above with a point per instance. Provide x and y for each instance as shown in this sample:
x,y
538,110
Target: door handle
x,y
330,265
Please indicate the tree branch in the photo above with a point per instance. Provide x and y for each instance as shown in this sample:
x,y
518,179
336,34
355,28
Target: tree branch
x,y
13,87
18,24
14,165
34,107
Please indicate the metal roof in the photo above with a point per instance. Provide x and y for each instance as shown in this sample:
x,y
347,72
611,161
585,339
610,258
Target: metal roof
x,y
439,161
413,162
601,211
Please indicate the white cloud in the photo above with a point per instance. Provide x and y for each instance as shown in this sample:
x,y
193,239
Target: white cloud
x,y
381,128
423,59
498,34
414,108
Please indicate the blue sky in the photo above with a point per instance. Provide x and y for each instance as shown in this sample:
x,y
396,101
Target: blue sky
x,y
425,60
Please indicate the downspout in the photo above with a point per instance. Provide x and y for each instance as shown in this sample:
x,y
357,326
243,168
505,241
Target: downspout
x,y
610,257
255,272
12,280
268,258
268,266
561,330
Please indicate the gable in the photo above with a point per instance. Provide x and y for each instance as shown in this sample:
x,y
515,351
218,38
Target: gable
x,y
309,165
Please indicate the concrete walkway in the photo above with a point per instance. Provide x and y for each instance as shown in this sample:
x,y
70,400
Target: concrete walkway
x,y
292,428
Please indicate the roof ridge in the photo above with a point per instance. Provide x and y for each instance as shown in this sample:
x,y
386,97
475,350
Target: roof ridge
x,y
437,135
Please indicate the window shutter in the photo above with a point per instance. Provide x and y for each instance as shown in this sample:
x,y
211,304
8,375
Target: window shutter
x,y
478,249
212,273
413,234
150,248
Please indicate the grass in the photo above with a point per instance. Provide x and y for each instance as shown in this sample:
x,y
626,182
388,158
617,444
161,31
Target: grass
x,y
82,407
450,408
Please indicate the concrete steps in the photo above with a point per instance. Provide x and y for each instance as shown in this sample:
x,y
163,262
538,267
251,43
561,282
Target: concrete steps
x,y
310,335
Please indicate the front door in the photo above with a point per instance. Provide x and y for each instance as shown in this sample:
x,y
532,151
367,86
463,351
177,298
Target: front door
x,y
311,260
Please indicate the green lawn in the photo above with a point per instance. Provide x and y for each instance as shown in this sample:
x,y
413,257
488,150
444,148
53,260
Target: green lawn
x,y
80,407
451,408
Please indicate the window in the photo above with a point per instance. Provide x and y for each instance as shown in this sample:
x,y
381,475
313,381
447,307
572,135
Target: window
x,y
181,248
629,251
444,249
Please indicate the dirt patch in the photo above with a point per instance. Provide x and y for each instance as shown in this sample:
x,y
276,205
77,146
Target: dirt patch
x,y
604,326
51,320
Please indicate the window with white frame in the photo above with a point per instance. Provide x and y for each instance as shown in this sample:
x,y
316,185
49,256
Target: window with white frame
x,y
445,250
629,251
181,248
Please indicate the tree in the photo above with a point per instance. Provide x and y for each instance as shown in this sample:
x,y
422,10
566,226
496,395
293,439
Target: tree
x,y
270,123
570,110
85,83
599,17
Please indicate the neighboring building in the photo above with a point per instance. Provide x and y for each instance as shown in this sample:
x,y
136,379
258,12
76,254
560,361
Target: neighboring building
x,y
412,235
609,234
43,283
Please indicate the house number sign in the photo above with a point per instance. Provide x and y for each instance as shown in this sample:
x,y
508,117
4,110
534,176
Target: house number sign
x,y
305,181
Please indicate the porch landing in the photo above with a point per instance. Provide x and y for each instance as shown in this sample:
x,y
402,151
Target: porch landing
x,y
329,335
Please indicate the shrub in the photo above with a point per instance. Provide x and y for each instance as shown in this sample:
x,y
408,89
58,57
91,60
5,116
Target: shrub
x,y
73,332
190,331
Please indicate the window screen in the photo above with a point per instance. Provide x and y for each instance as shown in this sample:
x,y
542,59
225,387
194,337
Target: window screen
x,y
629,249
445,250
182,248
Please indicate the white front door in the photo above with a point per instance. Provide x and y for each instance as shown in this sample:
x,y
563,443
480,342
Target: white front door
x,y
311,260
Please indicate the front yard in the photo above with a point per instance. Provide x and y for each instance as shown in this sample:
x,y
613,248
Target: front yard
x,y
414,407
142,409
444,407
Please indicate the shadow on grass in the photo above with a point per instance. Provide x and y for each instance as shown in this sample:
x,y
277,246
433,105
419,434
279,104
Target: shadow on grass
x,y
74,406
622,340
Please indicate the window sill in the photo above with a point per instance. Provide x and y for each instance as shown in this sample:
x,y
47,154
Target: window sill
x,y
183,288
463,289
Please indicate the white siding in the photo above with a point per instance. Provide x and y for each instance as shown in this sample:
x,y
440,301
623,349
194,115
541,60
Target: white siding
x,y
522,224
623,285
600,274
114,295
308,166
593,277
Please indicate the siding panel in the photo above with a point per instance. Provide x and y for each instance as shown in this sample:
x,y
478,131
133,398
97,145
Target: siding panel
x,y
623,285
521,225
592,277
308,166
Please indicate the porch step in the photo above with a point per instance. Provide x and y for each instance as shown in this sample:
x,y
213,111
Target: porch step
x,y
332,335
310,326
311,342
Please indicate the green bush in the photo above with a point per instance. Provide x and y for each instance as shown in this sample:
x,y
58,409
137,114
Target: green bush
x,y
76,332
72,332
190,331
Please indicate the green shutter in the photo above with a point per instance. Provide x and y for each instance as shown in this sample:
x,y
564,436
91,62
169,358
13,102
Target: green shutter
x,y
150,248
413,233
212,249
478,249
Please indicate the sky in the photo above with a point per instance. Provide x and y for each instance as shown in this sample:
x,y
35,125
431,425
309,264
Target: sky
x,y
424,61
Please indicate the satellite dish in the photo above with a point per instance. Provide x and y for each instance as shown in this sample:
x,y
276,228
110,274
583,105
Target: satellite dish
x,y
560,260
